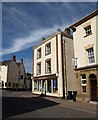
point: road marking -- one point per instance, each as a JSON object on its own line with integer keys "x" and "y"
{"x": 79, "y": 109}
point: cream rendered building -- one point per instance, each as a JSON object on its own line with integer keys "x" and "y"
{"x": 3, "y": 75}
{"x": 86, "y": 56}
{"x": 12, "y": 74}
{"x": 53, "y": 70}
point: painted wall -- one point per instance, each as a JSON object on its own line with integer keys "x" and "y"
{"x": 80, "y": 42}
{"x": 97, "y": 39}
{"x": 45, "y": 57}
{"x": 60, "y": 77}
{"x": 3, "y": 74}
{"x": 70, "y": 73}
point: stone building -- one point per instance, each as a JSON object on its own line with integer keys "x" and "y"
{"x": 85, "y": 39}
{"x": 12, "y": 74}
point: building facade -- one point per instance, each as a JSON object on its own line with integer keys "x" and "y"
{"x": 85, "y": 39}
{"x": 53, "y": 72}
{"x": 12, "y": 74}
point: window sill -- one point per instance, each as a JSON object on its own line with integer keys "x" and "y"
{"x": 47, "y": 54}
{"x": 48, "y": 72}
{"x": 39, "y": 74}
{"x": 87, "y": 35}
{"x": 39, "y": 58}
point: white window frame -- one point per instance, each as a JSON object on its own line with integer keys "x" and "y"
{"x": 90, "y": 55}
{"x": 83, "y": 84}
{"x": 88, "y": 30}
{"x": 39, "y": 53}
{"x": 48, "y": 68}
{"x": 38, "y": 71}
{"x": 48, "y": 48}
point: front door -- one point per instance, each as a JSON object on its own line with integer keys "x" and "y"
{"x": 93, "y": 83}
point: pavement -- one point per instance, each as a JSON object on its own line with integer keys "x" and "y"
{"x": 79, "y": 105}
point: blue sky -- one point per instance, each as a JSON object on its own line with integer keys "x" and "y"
{"x": 24, "y": 24}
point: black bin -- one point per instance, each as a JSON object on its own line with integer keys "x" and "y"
{"x": 70, "y": 96}
{"x": 74, "y": 95}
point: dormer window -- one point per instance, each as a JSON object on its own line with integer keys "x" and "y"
{"x": 39, "y": 53}
{"x": 48, "y": 48}
{"x": 88, "y": 30}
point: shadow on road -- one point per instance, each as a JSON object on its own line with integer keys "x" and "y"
{"x": 12, "y": 106}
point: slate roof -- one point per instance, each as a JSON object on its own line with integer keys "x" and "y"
{"x": 6, "y": 62}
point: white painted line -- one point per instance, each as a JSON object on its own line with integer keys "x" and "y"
{"x": 80, "y": 109}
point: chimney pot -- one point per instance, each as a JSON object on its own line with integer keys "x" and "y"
{"x": 67, "y": 31}
{"x": 13, "y": 57}
{"x": 22, "y": 61}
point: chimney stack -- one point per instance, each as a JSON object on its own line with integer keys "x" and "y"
{"x": 67, "y": 31}
{"x": 22, "y": 61}
{"x": 14, "y": 58}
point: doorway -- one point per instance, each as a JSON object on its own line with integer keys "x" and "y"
{"x": 93, "y": 87}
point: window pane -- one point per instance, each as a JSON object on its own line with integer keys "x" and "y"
{"x": 48, "y": 48}
{"x": 91, "y": 55}
{"x": 39, "y": 68}
{"x": 88, "y": 30}
{"x": 48, "y": 66}
{"x": 83, "y": 88}
{"x": 39, "y": 53}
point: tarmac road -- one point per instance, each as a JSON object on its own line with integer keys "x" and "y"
{"x": 23, "y": 104}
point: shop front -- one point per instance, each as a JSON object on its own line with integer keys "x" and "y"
{"x": 47, "y": 85}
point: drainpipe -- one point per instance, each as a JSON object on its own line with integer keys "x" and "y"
{"x": 64, "y": 63}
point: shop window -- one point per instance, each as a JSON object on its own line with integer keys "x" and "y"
{"x": 39, "y": 53}
{"x": 35, "y": 85}
{"x": 48, "y": 66}
{"x": 49, "y": 86}
{"x": 55, "y": 86}
{"x": 39, "y": 86}
{"x": 43, "y": 81}
{"x": 38, "y": 68}
{"x": 90, "y": 53}
{"x": 88, "y": 30}
{"x": 48, "y": 48}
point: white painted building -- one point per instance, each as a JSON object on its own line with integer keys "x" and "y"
{"x": 53, "y": 72}
{"x": 3, "y": 75}
{"x": 85, "y": 39}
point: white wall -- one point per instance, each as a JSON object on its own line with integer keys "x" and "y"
{"x": 45, "y": 57}
{"x": 97, "y": 39}
{"x": 3, "y": 74}
{"x": 60, "y": 77}
{"x": 80, "y": 42}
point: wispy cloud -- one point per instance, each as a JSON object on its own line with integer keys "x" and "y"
{"x": 28, "y": 41}
{"x": 27, "y": 26}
